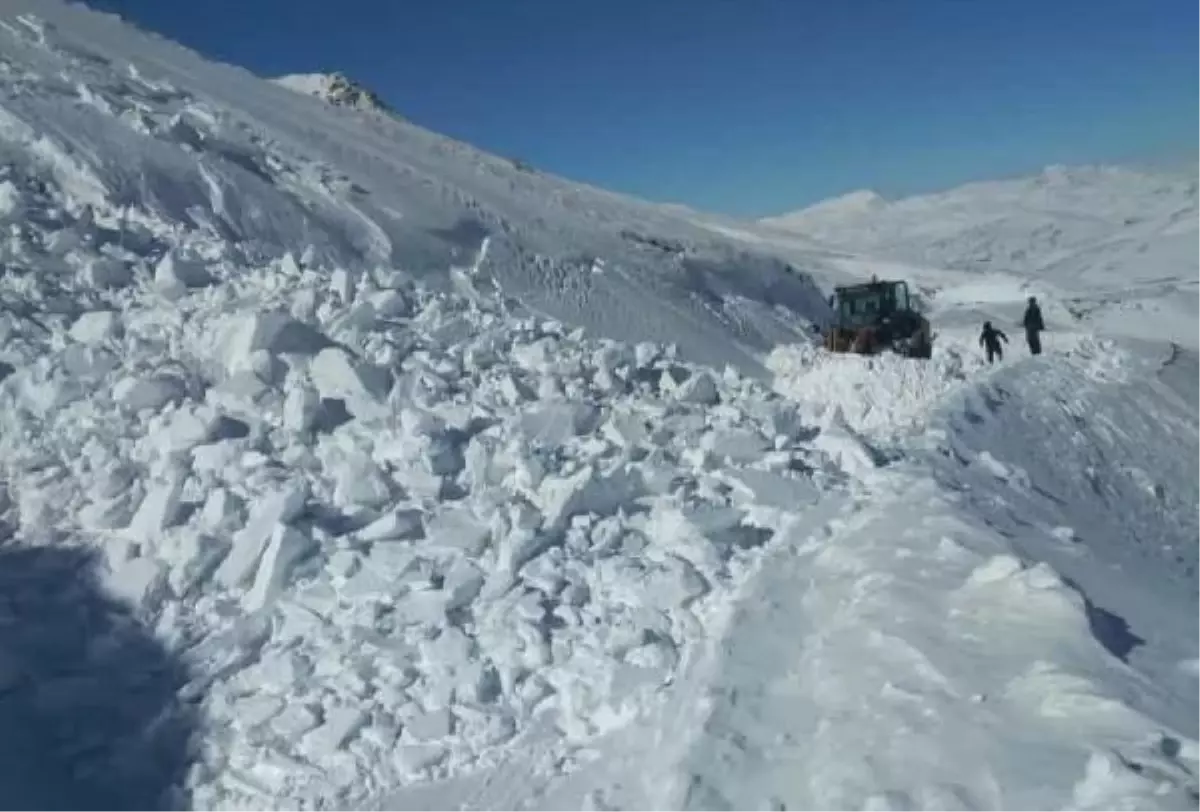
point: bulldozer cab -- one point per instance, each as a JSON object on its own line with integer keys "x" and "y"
{"x": 857, "y": 306}
{"x": 875, "y": 316}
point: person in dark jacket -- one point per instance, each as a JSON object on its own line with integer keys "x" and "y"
{"x": 990, "y": 340}
{"x": 1033, "y": 326}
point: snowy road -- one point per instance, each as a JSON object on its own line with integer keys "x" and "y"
{"x": 864, "y": 667}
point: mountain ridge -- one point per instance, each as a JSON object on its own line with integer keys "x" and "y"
{"x": 336, "y": 89}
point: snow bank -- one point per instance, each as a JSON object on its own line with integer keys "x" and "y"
{"x": 1091, "y": 465}
{"x": 898, "y": 655}
{"x": 1018, "y": 629}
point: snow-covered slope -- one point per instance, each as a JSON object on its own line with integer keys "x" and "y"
{"x": 146, "y": 131}
{"x": 342, "y": 465}
{"x": 829, "y": 213}
{"x": 1039, "y": 224}
{"x": 334, "y": 88}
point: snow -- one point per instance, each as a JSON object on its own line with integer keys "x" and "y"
{"x": 443, "y": 482}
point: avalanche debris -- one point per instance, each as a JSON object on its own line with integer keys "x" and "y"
{"x": 447, "y": 500}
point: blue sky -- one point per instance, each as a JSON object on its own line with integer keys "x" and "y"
{"x": 748, "y": 107}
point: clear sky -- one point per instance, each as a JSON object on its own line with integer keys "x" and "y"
{"x": 748, "y": 107}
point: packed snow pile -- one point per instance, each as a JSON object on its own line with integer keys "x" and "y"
{"x": 889, "y": 398}
{"x": 884, "y": 396}
{"x": 334, "y": 88}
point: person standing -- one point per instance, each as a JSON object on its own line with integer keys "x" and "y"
{"x": 1033, "y": 326}
{"x": 990, "y": 340}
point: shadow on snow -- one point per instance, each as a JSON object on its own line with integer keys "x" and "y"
{"x": 90, "y": 715}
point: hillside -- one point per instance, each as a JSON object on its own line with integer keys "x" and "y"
{"x": 346, "y": 466}
{"x": 266, "y": 170}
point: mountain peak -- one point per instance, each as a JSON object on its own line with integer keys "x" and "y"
{"x": 335, "y": 88}
{"x": 853, "y": 203}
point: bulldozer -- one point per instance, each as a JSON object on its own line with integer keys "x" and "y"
{"x": 877, "y": 316}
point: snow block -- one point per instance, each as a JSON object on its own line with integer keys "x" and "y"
{"x": 159, "y": 509}
{"x": 556, "y": 423}
{"x": 588, "y": 491}
{"x": 458, "y": 529}
{"x": 364, "y": 387}
{"x": 187, "y": 428}
{"x": 174, "y": 275}
{"x": 11, "y": 205}
{"x": 287, "y": 547}
{"x": 140, "y": 581}
{"x": 294, "y": 722}
{"x": 774, "y": 490}
{"x": 461, "y": 583}
{"x": 96, "y": 327}
{"x": 391, "y": 304}
{"x": 397, "y": 525}
{"x": 699, "y": 388}
{"x": 274, "y": 332}
{"x": 626, "y": 429}
{"x": 300, "y": 408}
{"x": 153, "y": 392}
{"x": 414, "y": 759}
{"x": 248, "y": 543}
{"x": 646, "y": 353}
{"x": 736, "y": 445}
{"x": 87, "y": 362}
{"x": 430, "y": 725}
{"x": 342, "y": 282}
{"x": 106, "y": 272}
{"x": 844, "y": 445}
{"x": 257, "y": 709}
{"x": 196, "y": 558}
{"x": 513, "y": 550}
{"x": 107, "y": 514}
{"x": 360, "y": 483}
{"x": 444, "y": 456}
{"x": 340, "y": 726}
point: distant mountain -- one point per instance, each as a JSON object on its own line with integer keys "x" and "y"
{"x": 1065, "y": 222}
{"x": 834, "y": 209}
{"x": 334, "y": 88}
